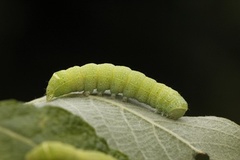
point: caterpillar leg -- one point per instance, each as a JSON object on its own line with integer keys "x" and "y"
{"x": 113, "y": 95}
{"x": 86, "y": 93}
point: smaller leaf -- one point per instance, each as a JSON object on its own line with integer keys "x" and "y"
{"x": 23, "y": 127}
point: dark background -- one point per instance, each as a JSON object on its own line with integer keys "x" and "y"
{"x": 192, "y": 46}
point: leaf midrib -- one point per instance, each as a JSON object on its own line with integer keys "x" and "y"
{"x": 149, "y": 121}
{"x": 16, "y": 136}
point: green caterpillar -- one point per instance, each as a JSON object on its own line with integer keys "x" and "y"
{"x": 54, "y": 150}
{"x": 117, "y": 79}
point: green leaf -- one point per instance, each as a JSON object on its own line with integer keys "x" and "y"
{"x": 136, "y": 130}
{"x": 23, "y": 127}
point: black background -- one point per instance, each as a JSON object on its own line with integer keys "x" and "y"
{"x": 192, "y": 46}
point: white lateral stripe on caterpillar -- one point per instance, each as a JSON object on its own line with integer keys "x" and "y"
{"x": 117, "y": 79}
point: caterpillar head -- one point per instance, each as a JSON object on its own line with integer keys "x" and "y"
{"x": 63, "y": 82}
